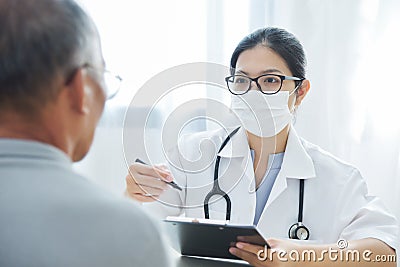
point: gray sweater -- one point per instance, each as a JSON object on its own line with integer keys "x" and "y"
{"x": 51, "y": 216}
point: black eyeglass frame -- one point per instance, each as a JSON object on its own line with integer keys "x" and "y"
{"x": 282, "y": 78}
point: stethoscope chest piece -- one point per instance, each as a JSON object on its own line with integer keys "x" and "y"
{"x": 299, "y": 231}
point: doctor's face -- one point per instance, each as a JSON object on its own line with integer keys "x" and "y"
{"x": 263, "y": 60}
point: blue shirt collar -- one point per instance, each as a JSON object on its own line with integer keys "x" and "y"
{"x": 274, "y": 160}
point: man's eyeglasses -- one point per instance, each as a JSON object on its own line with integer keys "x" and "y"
{"x": 112, "y": 81}
{"x": 268, "y": 84}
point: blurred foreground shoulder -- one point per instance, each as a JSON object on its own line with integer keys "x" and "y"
{"x": 138, "y": 234}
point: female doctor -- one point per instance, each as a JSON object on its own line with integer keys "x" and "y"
{"x": 288, "y": 187}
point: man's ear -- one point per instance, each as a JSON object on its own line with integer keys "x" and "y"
{"x": 76, "y": 92}
{"x": 302, "y": 92}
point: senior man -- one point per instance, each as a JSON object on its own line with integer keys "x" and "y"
{"x": 52, "y": 94}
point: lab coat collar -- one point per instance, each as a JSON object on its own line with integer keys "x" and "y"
{"x": 238, "y": 145}
{"x": 296, "y": 162}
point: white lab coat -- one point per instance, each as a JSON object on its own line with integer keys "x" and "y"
{"x": 336, "y": 201}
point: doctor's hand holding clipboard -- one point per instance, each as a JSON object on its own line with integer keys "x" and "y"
{"x": 298, "y": 195}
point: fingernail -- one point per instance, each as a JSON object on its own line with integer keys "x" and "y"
{"x": 232, "y": 250}
{"x": 239, "y": 245}
{"x": 164, "y": 172}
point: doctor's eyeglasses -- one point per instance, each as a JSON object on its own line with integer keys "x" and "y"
{"x": 268, "y": 84}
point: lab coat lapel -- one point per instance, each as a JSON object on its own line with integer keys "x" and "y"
{"x": 244, "y": 203}
{"x": 243, "y": 195}
{"x": 296, "y": 164}
{"x": 238, "y": 145}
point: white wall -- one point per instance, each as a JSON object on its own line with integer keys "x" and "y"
{"x": 353, "y": 56}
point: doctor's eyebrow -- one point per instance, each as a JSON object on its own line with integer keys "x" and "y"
{"x": 267, "y": 71}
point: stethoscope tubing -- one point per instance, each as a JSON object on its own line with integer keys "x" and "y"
{"x": 216, "y": 190}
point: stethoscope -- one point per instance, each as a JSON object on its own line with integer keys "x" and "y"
{"x": 216, "y": 190}
{"x": 296, "y": 231}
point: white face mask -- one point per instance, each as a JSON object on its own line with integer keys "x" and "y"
{"x": 261, "y": 114}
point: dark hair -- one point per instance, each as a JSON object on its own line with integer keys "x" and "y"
{"x": 40, "y": 41}
{"x": 282, "y": 42}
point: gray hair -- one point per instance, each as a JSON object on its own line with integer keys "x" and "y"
{"x": 41, "y": 41}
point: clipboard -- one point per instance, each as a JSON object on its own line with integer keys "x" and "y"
{"x": 209, "y": 238}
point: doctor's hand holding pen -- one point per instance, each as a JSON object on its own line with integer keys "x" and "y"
{"x": 146, "y": 183}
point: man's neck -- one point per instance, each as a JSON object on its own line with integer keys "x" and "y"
{"x": 15, "y": 126}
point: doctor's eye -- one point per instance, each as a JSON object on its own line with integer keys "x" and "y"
{"x": 241, "y": 80}
{"x": 271, "y": 80}
{"x": 238, "y": 84}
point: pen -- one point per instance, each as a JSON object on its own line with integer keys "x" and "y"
{"x": 173, "y": 184}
